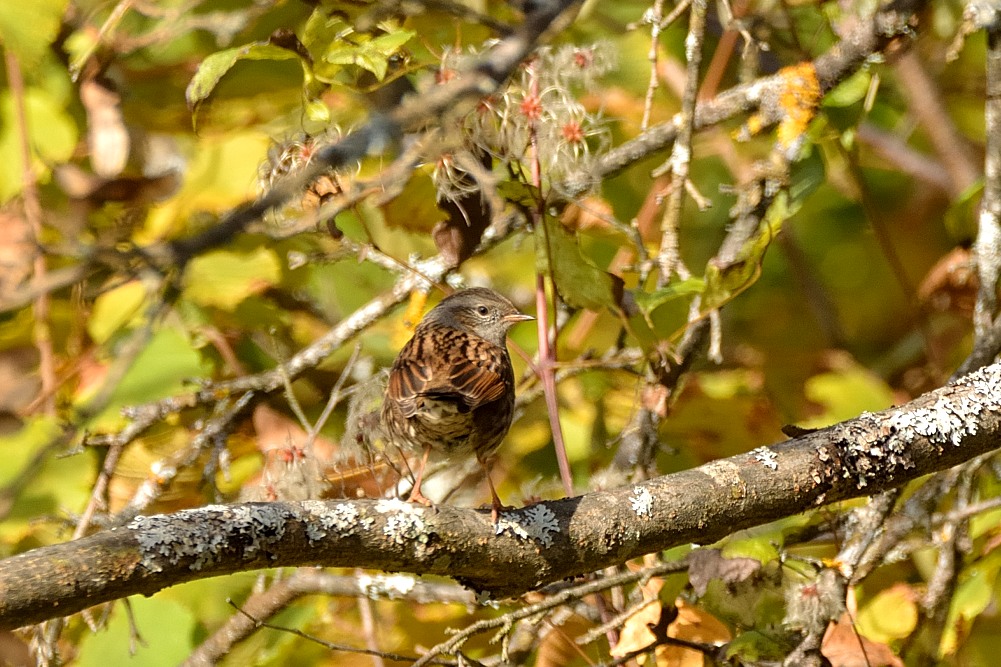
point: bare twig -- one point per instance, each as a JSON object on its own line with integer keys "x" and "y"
{"x": 33, "y": 213}
{"x": 988, "y": 243}
{"x": 669, "y": 257}
{"x": 926, "y": 104}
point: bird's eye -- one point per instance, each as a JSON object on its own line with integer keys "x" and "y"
{"x": 482, "y": 310}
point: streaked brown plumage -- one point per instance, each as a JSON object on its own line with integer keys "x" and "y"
{"x": 451, "y": 387}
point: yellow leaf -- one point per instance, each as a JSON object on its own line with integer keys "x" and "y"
{"x": 114, "y": 309}
{"x": 224, "y": 278}
{"x": 892, "y": 614}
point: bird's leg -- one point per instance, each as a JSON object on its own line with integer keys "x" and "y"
{"x": 415, "y": 494}
{"x": 495, "y": 501}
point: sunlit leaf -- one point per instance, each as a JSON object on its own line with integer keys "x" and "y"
{"x": 723, "y": 283}
{"x": 650, "y": 301}
{"x": 52, "y": 135}
{"x": 167, "y": 631}
{"x": 114, "y": 309}
{"x": 974, "y": 592}
{"x": 165, "y": 366}
{"x": 844, "y": 392}
{"x": 891, "y": 614}
{"x": 224, "y": 278}
{"x": 761, "y": 544}
{"x": 317, "y": 111}
{"x": 21, "y": 445}
{"x": 371, "y": 54}
{"x": 28, "y": 28}
{"x": 851, "y": 90}
{"x": 214, "y": 67}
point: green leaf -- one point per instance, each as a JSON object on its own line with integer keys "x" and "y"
{"x": 53, "y": 136}
{"x": 20, "y": 446}
{"x": 762, "y": 543}
{"x": 58, "y": 483}
{"x": 892, "y": 614}
{"x": 579, "y": 283}
{"x": 391, "y": 42}
{"x": 974, "y": 592}
{"x": 213, "y": 68}
{"x": 519, "y": 193}
{"x": 961, "y": 216}
{"x": 317, "y": 111}
{"x": 805, "y": 177}
{"x": 164, "y": 367}
{"x": 167, "y": 631}
{"x": 28, "y": 28}
{"x": 754, "y": 646}
{"x": 650, "y": 301}
{"x": 416, "y": 207}
{"x": 851, "y": 90}
{"x": 224, "y": 278}
{"x": 723, "y": 283}
{"x": 372, "y": 55}
{"x": 114, "y": 309}
{"x": 845, "y": 392}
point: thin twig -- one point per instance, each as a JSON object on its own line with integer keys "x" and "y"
{"x": 564, "y": 596}
{"x": 669, "y": 257}
{"x": 331, "y": 645}
{"x": 988, "y": 244}
{"x": 42, "y": 332}
{"x": 547, "y": 349}
{"x": 653, "y": 16}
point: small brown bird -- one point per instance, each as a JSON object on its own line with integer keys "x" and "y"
{"x": 452, "y": 387}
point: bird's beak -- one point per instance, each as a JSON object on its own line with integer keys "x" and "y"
{"x": 514, "y": 318}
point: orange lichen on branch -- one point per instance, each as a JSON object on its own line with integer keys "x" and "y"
{"x": 794, "y": 103}
{"x": 798, "y": 99}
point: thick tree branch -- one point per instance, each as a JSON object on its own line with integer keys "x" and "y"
{"x": 530, "y": 547}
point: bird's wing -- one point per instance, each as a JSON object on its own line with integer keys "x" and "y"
{"x": 478, "y": 380}
{"x": 448, "y": 373}
{"x": 407, "y": 381}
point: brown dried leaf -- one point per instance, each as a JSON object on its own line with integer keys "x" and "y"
{"x": 635, "y": 633}
{"x": 844, "y": 647}
{"x": 951, "y": 285}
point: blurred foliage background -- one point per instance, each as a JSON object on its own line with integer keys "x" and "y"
{"x": 146, "y": 122}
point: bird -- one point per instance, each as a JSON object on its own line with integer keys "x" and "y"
{"x": 451, "y": 388}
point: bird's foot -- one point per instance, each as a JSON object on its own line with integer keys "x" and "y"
{"x": 419, "y": 498}
{"x": 496, "y": 509}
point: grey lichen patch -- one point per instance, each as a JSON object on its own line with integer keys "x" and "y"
{"x": 340, "y": 519}
{"x": 641, "y": 501}
{"x": 537, "y": 522}
{"x": 204, "y": 535}
{"x": 766, "y": 457}
{"x": 406, "y": 523}
{"x": 881, "y": 443}
{"x": 391, "y": 586}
